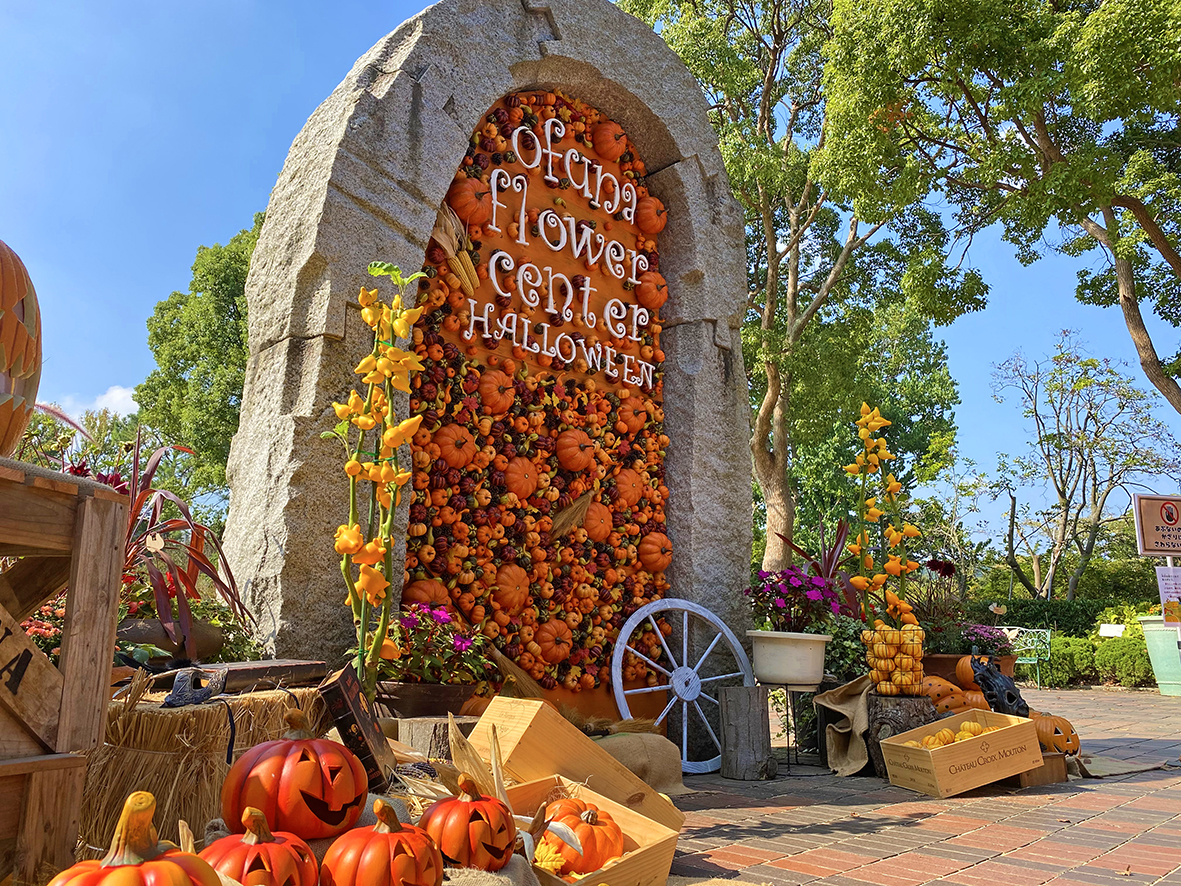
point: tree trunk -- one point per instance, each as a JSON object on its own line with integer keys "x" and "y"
{"x": 781, "y": 507}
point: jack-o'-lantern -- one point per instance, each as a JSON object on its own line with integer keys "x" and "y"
{"x": 471, "y": 830}
{"x": 312, "y": 787}
{"x": 260, "y": 858}
{"x": 388, "y": 853}
{"x": 1056, "y": 734}
{"x": 20, "y": 349}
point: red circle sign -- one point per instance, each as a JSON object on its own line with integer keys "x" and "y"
{"x": 1169, "y": 513}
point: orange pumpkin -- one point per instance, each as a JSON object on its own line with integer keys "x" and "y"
{"x": 388, "y": 853}
{"x": 456, "y": 445}
{"x": 651, "y": 215}
{"x": 555, "y": 640}
{"x": 512, "y": 588}
{"x": 20, "y": 349}
{"x": 656, "y": 552}
{"x": 137, "y": 858}
{"x": 471, "y": 199}
{"x": 260, "y": 858}
{"x": 600, "y": 836}
{"x": 598, "y": 521}
{"x": 471, "y": 830}
{"x": 608, "y": 140}
{"x": 633, "y": 415}
{"x": 497, "y": 393}
{"x": 576, "y": 451}
{"x": 520, "y": 477}
{"x": 936, "y": 688}
{"x": 426, "y": 590}
{"x": 309, "y": 786}
{"x": 976, "y": 700}
{"x": 1056, "y": 734}
{"x": 631, "y": 487}
{"x": 652, "y": 292}
{"x": 964, "y": 675}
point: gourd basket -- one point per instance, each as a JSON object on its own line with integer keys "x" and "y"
{"x": 895, "y": 659}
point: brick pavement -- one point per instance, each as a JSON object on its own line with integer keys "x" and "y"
{"x": 812, "y": 827}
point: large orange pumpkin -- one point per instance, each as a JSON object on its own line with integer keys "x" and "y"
{"x": 428, "y": 591}
{"x": 936, "y": 688}
{"x": 520, "y": 477}
{"x": 652, "y": 292}
{"x": 497, "y": 393}
{"x": 20, "y": 349}
{"x": 651, "y": 216}
{"x": 555, "y": 639}
{"x": 260, "y": 858}
{"x": 471, "y": 830}
{"x": 309, "y": 786}
{"x": 576, "y": 450}
{"x": 598, "y": 521}
{"x": 609, "y": 140}
{"x": 1056, "y": 734}
{"x": 137, "y": 858}
{"x": 471, "y": 199}
{"x": 633, "y": 414}
{"x": 631, "y": 487}
{"x": 600, "y": 836}
{"x": 456, "y": 445}
{"x": 388, "y": 853}
{"x": 512, "y": 588}
{"x": 655, "y": 551}
{"x": 964, "y": 675}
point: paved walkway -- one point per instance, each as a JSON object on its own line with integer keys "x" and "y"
{"x": 812, "y": 827}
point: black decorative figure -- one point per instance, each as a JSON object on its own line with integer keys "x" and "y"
{"x": 1000, "y": 691}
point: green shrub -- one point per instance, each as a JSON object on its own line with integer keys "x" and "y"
{"x": 1126, "y": 614}
{"x": 1073, "y": 617}
{"x": 1124, "y": 661}
{"x": 1072, "y": 660}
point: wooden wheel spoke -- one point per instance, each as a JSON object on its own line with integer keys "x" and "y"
{"x": 660, "y": 635}
{"x": 705, "y": 655}
{"x": 708, "y": 728}
{"x": 721, "y": 677}
{"x": 668, "y": 707}
{"x": 709, "y": 697}
{"x": 665, "y": 688}
{"x": 650, "y": 661}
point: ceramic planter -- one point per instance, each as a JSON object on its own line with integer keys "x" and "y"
{"x": 788, "y": 659}
{"x": 940, "y": 664}
{"x": 423, "y": 699}
{"x": 1163, "y": 652}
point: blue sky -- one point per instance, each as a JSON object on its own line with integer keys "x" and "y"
{"x": 131, "y": 133}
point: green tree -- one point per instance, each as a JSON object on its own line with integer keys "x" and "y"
{"x": 199, "y": 340}
{"x": 1094, "y": 437}
{"x": 1029, "y": 114}
{"x": 759, "y": 64}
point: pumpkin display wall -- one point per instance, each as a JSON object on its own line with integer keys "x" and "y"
{"x": 20, "y": 349}
{"x": 538, "y": 489}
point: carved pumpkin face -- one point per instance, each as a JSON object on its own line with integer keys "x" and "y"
{"x": 471, "y": 830}
{"x": 260, "y": 858}
{"x": 311, "y": 787}
{"x": 387, "y": 854}
{"x": 1056, "y": 734}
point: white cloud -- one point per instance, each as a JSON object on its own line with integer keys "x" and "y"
{"x": 117, "y": 398}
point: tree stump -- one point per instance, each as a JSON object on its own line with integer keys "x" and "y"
{"x": 746, "y": 734}
{"x": 430, "y": 735}
{"x": 892, "y": 715}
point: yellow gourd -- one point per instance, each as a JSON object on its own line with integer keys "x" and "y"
{"x": 945, "y": 735}
{"x": 972, "y": 727}
{"x": 963, "y": 736}
{"x": 887, "y": 688}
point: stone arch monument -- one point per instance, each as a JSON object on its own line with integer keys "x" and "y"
{"x": 362, "y": 182}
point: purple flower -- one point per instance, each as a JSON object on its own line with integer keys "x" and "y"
{"x": 795, "y": 581}
{"x": 836, "y": 607}
{"x": 781, "y": 603}
{"x": 818, "y": 581}
{"x": 408, "y": 621}
{"x": 813, "y": 595}
{"x": 461, "y": 644}
{"x": 441, "y": 616}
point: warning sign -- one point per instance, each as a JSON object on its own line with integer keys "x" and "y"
{"x": 1158, "y": 524}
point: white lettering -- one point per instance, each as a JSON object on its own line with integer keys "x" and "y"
{"x": 529, "y": 279}
{"x": 503, "y": 260}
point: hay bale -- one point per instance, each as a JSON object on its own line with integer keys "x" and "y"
{"x": 179, "y": 755}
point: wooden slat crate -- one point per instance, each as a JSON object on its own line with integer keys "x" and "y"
{"x": 69, "y": 531}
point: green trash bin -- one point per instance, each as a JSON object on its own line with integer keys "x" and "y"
{"x": 1164, "y": 651}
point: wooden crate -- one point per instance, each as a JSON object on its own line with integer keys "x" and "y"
{"x": 959, "y": 767}
{"x": 538, "y": 742}
{"x": 69, "y": 531}
{"x": 1052, "y": 771}
{"x": 648, "y": 846}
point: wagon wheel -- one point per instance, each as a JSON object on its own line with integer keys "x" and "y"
{"x": 685, "y": 686}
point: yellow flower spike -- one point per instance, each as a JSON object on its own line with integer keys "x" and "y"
{"x": 872, "y": 458}
{"x": 374, "y": 378}
{"x": 863, "y": 433}
{"x": 873, "y": 515}
{"x": 400, "y": 382}
{"x": 372, "y": 584}
{"x": 860, "y": 582}
{"x": 356, "y": 404}
{"x": 893, "y": 487}
{"x": 349, "y": 539}
{"x": 894, "y": 538}
{"x": 910, "y": 531}
{"x": 371, "y": 316}
{"x": 911, "y": 566}
{"x": 352, "y": 467}
{"x": 367, "y": 297}
{"x": 396, "y": 305}
{"x": 405, "y": 322}
{"x": 893, "y": 566}
{"x": 871, "y": 501}
{"x": 364, "y": 422}
{"x": 366, "y": 365}
{"x": 877, "y": 581}
{"x": 342, "y": 410}
{"x": 865, "y": 410}
{"x": 373, "y": 472}
{"x": 854, "y": 549}
{"x": 873, "y": 469}
{"x": 853, "y": 469}
{"x": 868, "y": 561}
{"x": 383, "y": 496}
{"x": 402, "y": 478}
{"x": 399, "y": 434}
{"x": 370, "y": 555}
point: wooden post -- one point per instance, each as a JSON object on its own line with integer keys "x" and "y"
{"x": 746, "y": 734}
{"x": 430, "y": 734}
{"x": 892, "y": 715}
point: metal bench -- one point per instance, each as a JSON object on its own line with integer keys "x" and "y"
{"x": 1031, "y": 646}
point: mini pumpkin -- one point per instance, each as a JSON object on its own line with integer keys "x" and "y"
{"x": 576, "y": 450}
{"x": 656, "y": 552}
{"x": 388, "y": 853}
{"x": 428, "y": 591}
{"x": 1056, "y": 734}
{"x": 138, "y": 858}
{"x": 651, "y": 216}
{"x": 652, "y": 291}
{"x": 520, "y": 477}
{"x": 555, "y": 640}
{"x": 260, "y": 858}
{"x": 312, "y": 787}
{"x": 608, "y": 140}
{"x": 471, "y": 199}
{"x": 600, "y": 836}
{"x": 471, "y": 830}
{"x": 512, "y": 588}
{"x": 456, "y": 445}
{"x": 497, "y": 393}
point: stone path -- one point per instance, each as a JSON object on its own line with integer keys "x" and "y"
{"x": 812, "y": 827}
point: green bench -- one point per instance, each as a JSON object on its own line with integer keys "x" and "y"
{"x": 1031, "y": 646}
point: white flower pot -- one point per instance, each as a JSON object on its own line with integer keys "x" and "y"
{"x": 788, "y": 659}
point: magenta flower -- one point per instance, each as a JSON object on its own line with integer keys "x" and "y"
{"x": 461, "y": 644}
{"x": 441, "y": 616}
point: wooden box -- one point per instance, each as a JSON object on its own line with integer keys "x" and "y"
{"x": 959, "y": 767}
{"x": 1052, "y": 771}
{"x": 648, "y": 846}
{"x": 537, "y": 742}
{"x": 67, "y": 530}
{"x": 357, "y": 725}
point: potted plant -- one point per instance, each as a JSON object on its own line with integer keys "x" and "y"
{"x": 429, "y": 665}
{"x": 791, "y": 609}
{"x": 939, "y": 607}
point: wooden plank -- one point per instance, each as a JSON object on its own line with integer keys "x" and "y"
{"x": 30, "y": 582}
{"x": 35, "y": 519}
{"x": 537, "y": 742}
{"x": 44, "y": 763}
{"x": 65, "y": 487}
{"x": 49, "y": 825}
{"x": 7, "y": 472}
{"x": 746, "y": 734}
{"x": 12, "y": 792}
{"x": 30, "y": 687}
{"x": 1052, "y": 771}
{"x": 91, "y": 613}
{"x": 15, "y": 741}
